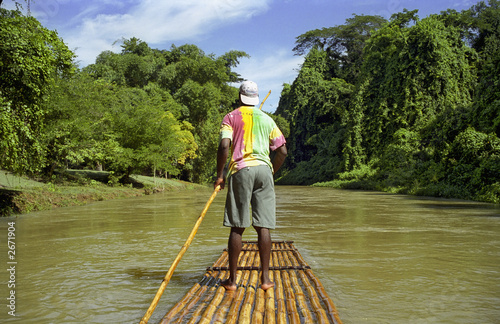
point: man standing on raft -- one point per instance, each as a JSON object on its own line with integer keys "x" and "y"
{"x": 250, "y": 134}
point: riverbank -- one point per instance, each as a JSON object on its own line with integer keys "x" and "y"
{"x": 20, "y": 195}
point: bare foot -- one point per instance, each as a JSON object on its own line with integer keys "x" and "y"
{"x": 265, "y": 286}
{"x": 230, "y": 286}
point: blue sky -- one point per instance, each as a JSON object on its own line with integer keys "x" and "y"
{"x": 265, "y": 29}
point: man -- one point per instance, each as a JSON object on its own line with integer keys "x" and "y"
{"x": 249, "y": 134}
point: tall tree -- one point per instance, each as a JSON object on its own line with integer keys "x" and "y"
{"x": 344, "y": 44}
{"x": 414, "y": 74}
{"x": 32, "y": 57}
{"x": 315, "y": 107}
{"x": 484, "y": 20}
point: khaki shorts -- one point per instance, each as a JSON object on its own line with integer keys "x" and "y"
{"x": 251, "y": 186}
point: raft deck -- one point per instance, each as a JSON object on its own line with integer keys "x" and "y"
{"x": 298, "y": 295}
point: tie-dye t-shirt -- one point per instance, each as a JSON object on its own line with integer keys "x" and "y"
{"x": 252, "y": 134}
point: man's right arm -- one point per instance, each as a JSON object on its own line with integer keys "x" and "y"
{"x": 222, "y": 154}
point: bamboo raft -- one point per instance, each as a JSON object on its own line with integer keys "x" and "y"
{"x": 298, "y": 296}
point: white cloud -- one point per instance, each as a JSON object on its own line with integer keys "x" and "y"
{"x": 270, "y": 72}
{"x": 157, "y": 22}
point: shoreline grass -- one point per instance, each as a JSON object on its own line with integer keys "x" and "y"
{"x": 21, "y": 195}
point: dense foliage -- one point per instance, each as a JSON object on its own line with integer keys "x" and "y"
{"x": 31, "y": 58}
{"x": 412, "y": 107}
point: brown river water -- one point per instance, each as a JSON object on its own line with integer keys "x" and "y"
{"x": 382, "y": 258}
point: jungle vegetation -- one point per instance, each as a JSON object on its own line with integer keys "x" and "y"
{"x": 407, "y": 105}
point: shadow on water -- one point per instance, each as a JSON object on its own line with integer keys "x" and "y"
{"x": 7, "y": 206}
{"x": 450, "y": 204}
{"x": 495, "y": 210}
{"x": 143, "y": 273}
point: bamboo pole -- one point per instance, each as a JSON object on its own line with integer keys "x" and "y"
{"x": 291, "y": 304}
{"x": 183, "y": 250}
{"x": 281, "y": 315}
{"x": 221, "y": 313}
{"x": 299, "y": 293}
{"x": 260, "y": 298}
{"x": 242, "y": 277}
{"x": 314, "y": 301}
{"x": 270, "y": 317}
{"x": 192, "y": 303}
{"x": 301, "y": 301}
{"x": 252, "y": 278}
{"x": 223, "y": 308}
{"x": 262, "y": 103}
{"x": 330, "y": 306}
{"x": 212, "y": 307}
{"x": 232, "y": 315}
{"x": 246, "y": 309}
{"x": 206, "y": 308}
{"x": 259, "y": 310}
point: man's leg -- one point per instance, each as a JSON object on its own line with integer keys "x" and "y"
{"x": 264, "y": 242}
{"x": 234, "y": 249}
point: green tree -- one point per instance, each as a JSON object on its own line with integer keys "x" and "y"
{"x": 414, "y": 74}
{"x": 484, "y": 20}
{"x": 197, "y": 87}
{"x": 100, "y": 125}
{"x": 315, "y": 107}
{"x": 344, "y": 44}
{"x": 32, "y": 57}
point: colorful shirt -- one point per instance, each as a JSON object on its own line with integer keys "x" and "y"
{"x": 252, "y": 134}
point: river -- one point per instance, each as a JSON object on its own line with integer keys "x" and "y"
{"x": 382, "y": 258}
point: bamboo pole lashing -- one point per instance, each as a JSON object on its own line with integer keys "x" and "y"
{"x": 210, "y": 299}
{"x": 221, "y": 298}
{"x": 182, "y": 303}
{"x": 221, "y": 313}
{"x": 196, "y": 297}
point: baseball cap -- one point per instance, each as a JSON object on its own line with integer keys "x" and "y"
{"x": 249, "y": 93}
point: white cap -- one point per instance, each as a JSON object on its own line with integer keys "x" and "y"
{"x": 249, "y": 93}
